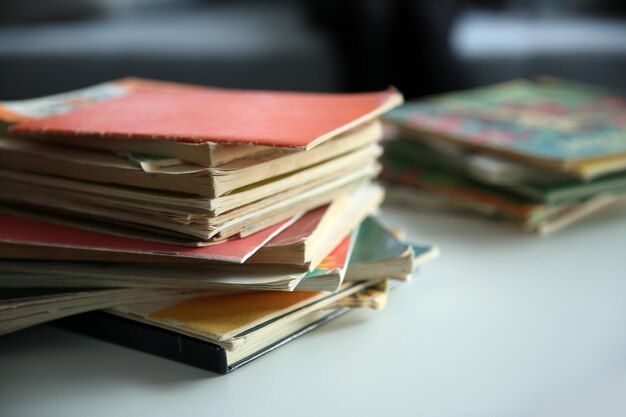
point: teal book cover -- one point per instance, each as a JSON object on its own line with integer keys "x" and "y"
{"x": 545, "y": 118}
{"x": 376, "y": 243}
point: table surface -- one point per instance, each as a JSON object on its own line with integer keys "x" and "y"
{"x": 502, "y": 324}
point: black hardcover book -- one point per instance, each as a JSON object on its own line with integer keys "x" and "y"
{"x": 170, "y": 344}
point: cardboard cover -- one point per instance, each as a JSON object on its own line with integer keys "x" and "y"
{"x": 177, "y": 112}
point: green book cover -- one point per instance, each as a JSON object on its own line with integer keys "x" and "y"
{"x": 405, "y": 156}
{"x": 400, "y": 167}
{"x": 575, "y": 191}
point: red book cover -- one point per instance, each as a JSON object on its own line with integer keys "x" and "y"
{"x": 26, "y": 231}
{"x": 301, "y": 229}
{"x": 168, "y": 111}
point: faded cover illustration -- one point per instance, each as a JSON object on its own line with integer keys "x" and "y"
{"x": 138, "y": 108}
{"x": 546, "y": 118}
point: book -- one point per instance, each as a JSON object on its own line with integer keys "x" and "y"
{"x": 572, "y": 191}
{"x": 424, "y": 186}
{"x": 374, "y": 256}
{"x": 538, "y": 183}
{"x": 25, "y": 307}
{"x": 27, "y": 238}
{"x": 301, "y": 241}
{"x": 211, "y": 225}
{"x": 545, "y": 122}
{"x": 198, "y": 347}
{"x": 311, "y": 238}
{"x": 222, "y": 332}
{"x": 88, "y": 165}
{"x": 174, "y": 217}
{"x": 327, "y": 276}
{"x": 379, "y": 255}
{"x": 485, "y": 168}
{"x": 315, "y": 148}
{"x": 191, "y": 122}
{"x": 443, "y": 182}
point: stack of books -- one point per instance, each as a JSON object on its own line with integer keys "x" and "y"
{"x": 206, "y": 225}
{"x": 541, "y": 153}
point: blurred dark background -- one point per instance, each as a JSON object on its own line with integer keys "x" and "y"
{"x": 422, "y": 47}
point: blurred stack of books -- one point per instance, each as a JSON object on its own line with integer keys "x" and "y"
{"x": 209, "y": 225}
{"x": 541, "y": 153}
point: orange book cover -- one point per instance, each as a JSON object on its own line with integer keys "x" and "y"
{"x": 147, "y": 109}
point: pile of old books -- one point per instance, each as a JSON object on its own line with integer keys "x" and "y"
{"x": 540, "y": 153}
{"x": 207, "y": 225}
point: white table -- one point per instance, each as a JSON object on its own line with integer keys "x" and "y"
{"x": 502, "y": 324}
